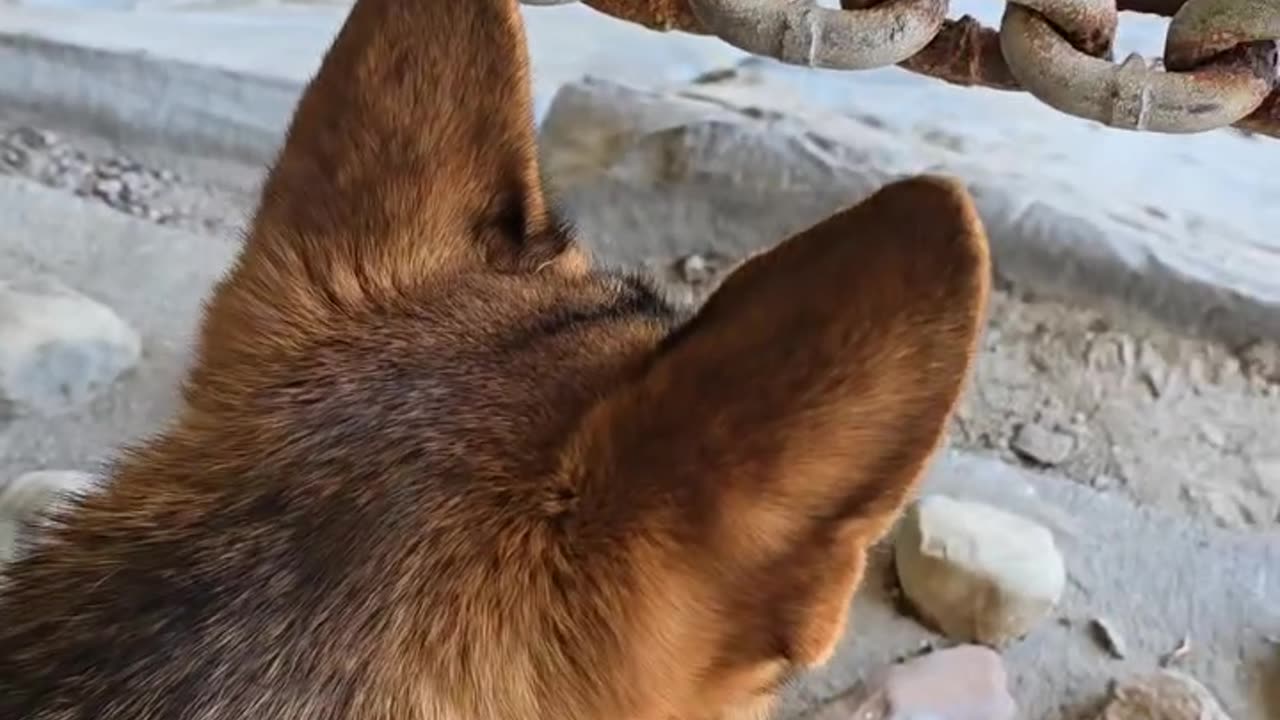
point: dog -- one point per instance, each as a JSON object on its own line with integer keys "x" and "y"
{"x": 430, "y": 464}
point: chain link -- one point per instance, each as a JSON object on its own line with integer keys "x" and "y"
{"x": 1218, "y": 68}
{"x": 1134, "y": 95}
{"x": 802, "y": 33}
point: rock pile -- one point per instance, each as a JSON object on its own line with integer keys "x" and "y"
{"x": 120, "y": 182}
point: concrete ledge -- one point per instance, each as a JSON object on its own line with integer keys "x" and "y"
{"x": 224, "y": 83}
{"x": 131, "y": 98}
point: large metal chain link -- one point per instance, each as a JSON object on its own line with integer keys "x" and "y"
{"x": 1218, "y": 68}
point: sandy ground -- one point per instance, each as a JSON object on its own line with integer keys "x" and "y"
{"x": 1105, "y": 396}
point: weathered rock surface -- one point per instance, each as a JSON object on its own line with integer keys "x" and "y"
{"x": 1167, "y": 695}
{"x": 59, "y": 348}
{"x": 23, "y": 498}
{"x": 731, "y": 165}
{"x": 975, "y": 572}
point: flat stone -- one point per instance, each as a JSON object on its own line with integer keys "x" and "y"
{"x": 1166, "y": 695}
{"x": 59, "y": 348}
{"x": 961, "y": 683}
{"x": 967, "y": 682}
{"x": 1042, "y": 445}
{"x": 975, "y": 572}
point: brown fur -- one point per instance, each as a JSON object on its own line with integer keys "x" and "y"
{"x": 432, "y": 467}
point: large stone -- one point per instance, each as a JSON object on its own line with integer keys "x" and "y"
{"x": 59, "y": 348}
{"x": 734, "y": 164}
{"x": 975, "y": 572}
{"x": 23, "y": 499}
{"x": 1166, "y": 695}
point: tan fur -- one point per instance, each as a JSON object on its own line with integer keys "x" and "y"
{"x": 431, "y": 466}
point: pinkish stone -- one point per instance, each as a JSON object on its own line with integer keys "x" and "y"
{"x": 962, "y": 683}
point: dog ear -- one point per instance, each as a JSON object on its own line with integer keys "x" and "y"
{"x": 411, "y": 155}
{"x": 782, "y": 430}
{"x": 414, "y": 146}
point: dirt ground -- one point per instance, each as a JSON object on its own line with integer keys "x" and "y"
{"x": 1109, "y": 398}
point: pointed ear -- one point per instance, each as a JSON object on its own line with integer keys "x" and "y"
{"x": 412, "y": 150}
{"x": 782, "y": 430}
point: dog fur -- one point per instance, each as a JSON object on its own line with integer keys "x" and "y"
{"x": 430, "y": 465}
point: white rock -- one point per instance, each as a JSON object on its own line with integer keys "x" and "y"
{"x": 29, "y": 495}
{"x": 58, "y": 348}
{"x": 1166, "y": 695}
{"x": 975, "y": 572}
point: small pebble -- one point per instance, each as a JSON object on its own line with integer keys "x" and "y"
{"x": 1042, "y": 446}
{"x": 14, "y": 157}
{"x": 1103, "y": 481}
{"x": 108, "y": 189}
{"x": 695, "y": 270}
{"x": 1106, "y": 633}
{"x": 24, "y": 498}
{"x": 1177, "y": 654}
{"x": 1166, "y": 695}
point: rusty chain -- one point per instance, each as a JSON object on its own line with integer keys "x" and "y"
{"x": 1218, "y": 67}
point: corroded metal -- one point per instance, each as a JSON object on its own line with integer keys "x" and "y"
{"x": 801, "y": 32}
{"x": 1219, "y": 63}
{"x": 1133, "y": 95}
{"x": 1088, "y": 25}
{"x": 1167, "y": 8}
{"x": 964, "y": 53}
{"x": 1266, "y": 119}
{"x": 1205, "y": 28}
